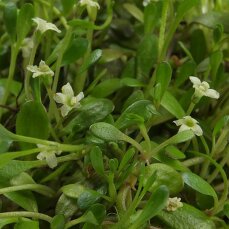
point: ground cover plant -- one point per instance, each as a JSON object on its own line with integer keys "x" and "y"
{"x": 114, "y": 114}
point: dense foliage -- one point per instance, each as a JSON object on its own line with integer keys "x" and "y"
{"x": 114, "y": 114}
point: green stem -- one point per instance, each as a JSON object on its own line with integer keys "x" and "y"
{"x": 26, "y": 214}
{"x": 74, "y": 222}
{"x": 193, "y": 161}
{"x": 4, "y": 158}
{"x": 165, "y": 8}
{"x": 66, "y": 41}
{"x": 222, "y": 163}
{"x": 190, "y": 108}
{"x": 13, "y": 59}
{"x": 36, "y": 40}
{"x": 59, "y": 146}
{"x": 36, "y": 187}
{"x": 220, "y": 203}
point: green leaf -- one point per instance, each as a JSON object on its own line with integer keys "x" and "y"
{"x": 99, "y": 211}
{"x": 199, "y": 184}
{"x": 96, "y": 157}
{"x": 166, "y": 175}
{"x": 154, "y": 205}
{"x": 5, "y": 135}
{"x": 77, "y": 48}
{"x": 73, "y": 190}
{"x": 92, "y": 59}
{"x": 58, "y": 222}
{"x": 126, "y": 158}
{"x": 32, "y": 121}
{"x": 146, "y": 56}
{"x": 107, "y": 87}
{"x": 142, "y": 108}
{"x": 27, "y": 224}
{"x": 130, "y": 82}
{"x": 107, "y": 132}
{"x": 151, "y": 15}
{"x": 92, "y": 110}
{"x": 163, "y": 76}
{"x": 113, "y": 164}
{"x": 170, "y": 103}
{"x": 186, "y": 217}
{"x": 134, "y": 97}
{"x": 198, "y": 46}
{"x": 7, "y": 221}
{"x": 87, "y": 198}
{"x": 10, "y": 20}
{"x": 24, "y": 21}
{"x": 4, "y": 146}
{"x": 134, "y": 11}
{"x": 212, "y": 19}
{"x": 181, "y": 137}
{"x": 14, "y": 88}
{"x": 66, "y": 206}
{"x": 174, "y": 152}
{"x": 24, "y": 199}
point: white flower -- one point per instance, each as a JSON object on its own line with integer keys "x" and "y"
{"x": 43, "y": 25}
{"x": 173, "y": 204}
{"x": 48, "y": 155}
{"x": 68, "y": 99}
{"x": 89, "y": 3}
{"x": 26, "y": 47}
{"x": 189, "y": 123}
{"x": 203, "y": 88}
{"x": 42, "y": 70}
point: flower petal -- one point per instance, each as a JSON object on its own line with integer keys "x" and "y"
{"x": 32, "y": 68}
{"x": 60, "y": 98}
{"x": 195, "y": 80}
{"x": 183, "y": 128}
{"x": 67, "y": 90}
{"x": 197, "y": 130}
{"x": 179, "y": 122}
{"x": 51, "y": 159}
{"x": 65, "y": 110}
{"x": 80, "y": 96}
{"x": 212, "y": 93}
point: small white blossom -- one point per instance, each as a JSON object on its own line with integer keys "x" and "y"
{"x": 41, "y": 70}
{"x": 89, "y": 3}
{"x": 27, "y": 46}
{"x": 68, "y": 99}
{"x": 173, "y": 204}
{"x": 189, "y": 123}
{"x": 43, "y": 25}
{"x": 203, "y": 88}
{"x": 48, "y": 155}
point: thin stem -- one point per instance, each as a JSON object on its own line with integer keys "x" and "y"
{"x": 66, "y": 41}
{"x": 190, "y": 108}
{"x": 165, "y": 8}
{"x": 193, "y": 161}
{"x": 219, "y": 205}
{"x": 36, "y": 40}
{"x": 35, "y": 215}
{"x": 74, "y": 222}
{"x": 36, "y": 187}
{"x": 13, "y": 59}
{"x": 222, "y": 163}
